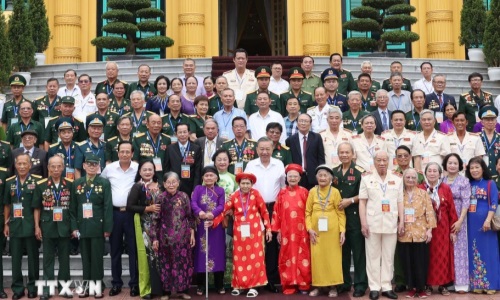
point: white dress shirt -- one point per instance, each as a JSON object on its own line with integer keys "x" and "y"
{"x": 121, "y": 181}
{"x": 85, "y": 106}
{"x": 209, "y": 151}
{"x": 270, "y": 179}
{"x": 424, "y": 85}
{"x": 278, "y": 86}
{"x": 258, "y": 124}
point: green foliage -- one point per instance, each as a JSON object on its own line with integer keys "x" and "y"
{"x": 472, "y": 23}
{"x": 21, "y": 38}
{"x": 491, "y": 39}
{"x": 5, "y": 53}
{"x": 126, "y": 19}
{"x": 380, "y": 18}
{"x": 40, "y": 22}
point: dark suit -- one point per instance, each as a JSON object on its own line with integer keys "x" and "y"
{"x": 174, "y": 161}
{"x": 432, "y": 102}
{"x": 201, "y": 142}
{"x": 378, "y": 121}
{"x": 315, "y": 156}
{"x": 38, "y": 161}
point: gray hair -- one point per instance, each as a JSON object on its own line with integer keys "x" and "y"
{"x": 345, "y": 143}
{"x": 380, "y": 91}
{"x": 112, "y": 63}
{"x": 439, "y": 75}
{"x": 137, "y": 92}
{"x": 211, "y": 120}
{"x": 379, "y": 153}
{"x": 171, "y": 174}
{"x": 354, "y": 93}
{"x": 427, "y": 111}
{"x": 335, "y": 110}
{"x": 396, "y": 74}
{"x": 263, "y": 140}
{"x": 51, "y": 160}
{"x": 366, "y": 62}
{"x": 433, "y": 163}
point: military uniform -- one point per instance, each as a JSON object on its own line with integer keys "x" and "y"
{"x": 365, "y": 152}
{"x": 346, "y": 82}
{"x": 319, "y": 118}
{"x": 305, "y": 101}
{"x": 45, "y": 110}
{"x": 92, "y": 221}
{"x": 413, "y": 121}
{"x": 240, "y": 154}
{"x": 4, "y": 173}
{"x": 492, "y": 149}
{"x": 251, "y": 102}
{"x": 339, "y": 100}
{"x": 10, "y": 113}
{"x": 105, "y": 87}
{"x": 470, "y": 104}
{"x": 373, "y": 88}
{"x": 348, "y": 186}
{"x": 471, "y": 146}
{"x": 109, "y": 129}
{"x": 51, "y": 134}
{"x": 67, "y": 155}
{"x": 386, "y": 85}
{"x": 241, "y": 85}
{"x": 5, "y": 155}
{"x": 15, "y": 130}
{"x": 311, "y": 82}
{"x": 352, "y": 123}
{"x": 282, "y": 152}
{"x": 55, "y": 222}
{"x": 139, "y": 125}
{"x": 170, "y": 122}
{"x": 85, "y": 148}
{"x": 148, "y": 90}
{"x": 406, "y": 138}
{"x": 331, "y": 144}
{"x": 197, "y": 123}
{"x": 122, "y": 108}
{"x": 146, "y": 149}
{"x": 19, "y": 196}
{"x": 434, "y": 149}
{"x": 112, "y": 148}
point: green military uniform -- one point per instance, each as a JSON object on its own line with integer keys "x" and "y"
{"x": 366, "y": 102}
{"x": 413, "y": 121}
{"x": 305, "y": 101}
{"x": 420, "y": 176}
{"x": 51, "y": 134}
{"x": 386, "y": 85}
{"x": 492, "y": 148}
{"x": 374, "y": 88}
{"x": 346, "y": 82}
{"x": 15, "y": 130}
{"x": 470, "y": 103}
{"x": 196, "y": 125}
{"x": 139, "y": 125}
{"x": 146, "y": 149}
{"x": 68, "y": 156}
{"x": 5, "y": 155}
{"x": 311, "y": 82}
{"x": 10, "y": 113}
{"x": 169, "y": 122}
{"x": 55, "y": 222}
{"x": 45, "y": 110}
{"x": 348, "y": 185}
{"x": 19, "y": 196}
{"x": 282, "y": 153}
{"x": 122, "y": 108}
{"x": 4, "y": 173}
{"x": 111, "y": 153}
{"x": 240, "y": 154}
{"x": 148, "y": 90}
{"x": 251, "y": 102}
{"x": 92, "y": 222}
{"x": 109, "y": 129}
{"x": 351, "y": 123}
{"x": 105, "y": 87}
{"x": 86, "y": 148}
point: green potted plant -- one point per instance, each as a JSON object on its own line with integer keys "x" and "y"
{"x": 124, "y": 31}
{"x": 21, "y": 40}
{"x": 383, "y": 18}
{"x": 491, "y": 40}
{"x": 40, "y": 21}
{"x": 472, "y": 23}
{"x": 5, "y": 56}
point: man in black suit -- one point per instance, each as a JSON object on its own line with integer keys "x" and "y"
{"x": 382, "y": 114}
{"x": 184, "y": 158}
{"x": 436, "y": 100}
{"x": 38, "y": 156}
{"x": 307, "y": 150}
{"x": 209, "y": 143}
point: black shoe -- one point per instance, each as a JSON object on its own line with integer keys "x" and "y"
{"x": 45, "y": 297}
{"x": 390, "y": 294}
{"x": 400, "y": 288}
{"x": 3, "y": 295}
{"x": 374, "y": 295}
{"x": 115, "y": 291}
{"x": 67, "y": 296}
{"x": 73, "y": 252}
{"x": 32, "y": 295}
{"x": 358, "y": 293}
{"x": 273, "y": 289}
{"x": 99, "y": 296}
{"x": 134, "y": 291}
{"x": 342, "y": 289}
{"x": 17, "y": 296}
{"x": 147, "y": 297}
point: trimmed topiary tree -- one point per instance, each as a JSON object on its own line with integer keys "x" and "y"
{"x": 382, "y": 18}
{"x": 39, "y": 21}
{"x": 5, "y": 54}
{"x": 491, "y": 39}
{"x": 21, "y": 38}
{"x": 123, "y": 23}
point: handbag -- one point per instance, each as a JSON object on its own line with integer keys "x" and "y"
{"x": 495, "y": 221}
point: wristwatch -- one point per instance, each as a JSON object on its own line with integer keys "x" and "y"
{"x": 352, "y": 200}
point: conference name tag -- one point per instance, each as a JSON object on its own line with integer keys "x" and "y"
{"x": 57, "y": 214}
{"x": 87, "y": 211}
{"x": 409, "y": 215}
{"x": 323, "y": 224}
{"x": 386, "y": 205}
{"x": 245, "y": 230}
{"x": 18, "y": 210}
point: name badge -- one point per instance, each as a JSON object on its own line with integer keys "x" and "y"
{"x": 238, "y": 167}
{"x": 87, "y": 210}
{"x": 425, "y": 157}
{"x": 394, "y": 161}
{"x": 245, "y": 230}
{"x": 102, "y": 137}
{"x": 386, "y": 205}
{"x": 185, "y": 171}
{"x": 477, "y": 117}
{"x": 162, "y": 113}
{"x": 409, "y": 215}
{"x": 224, "y": 135}
{"x": 70, "y": 173}
{"x": 158, "y": 164}
{"x": 14, "y": 121}
{"x": 18, "y": 210}
{"x": 173, "y": 139}
{"x": 354, "y": 132}
{"x": 323, "y": 224}
{"x": 57, "y": 214}
{"x": 334, "y": 157}
{"x": 439, "y": 117}
{"x": 134, "y": 134}
{"x": 46, "y": 121}
{"x": 473, "y": 205}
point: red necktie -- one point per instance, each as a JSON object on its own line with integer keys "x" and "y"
{"x": 440, "y": 100}
{"x": 304, "y": 149}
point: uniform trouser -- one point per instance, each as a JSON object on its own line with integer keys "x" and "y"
{"x": 16, "y": 246}
{"x": 272, "y": 252}
{"x": 355, "y": 242}
{"x": 2, "y": 244}
{"x": 414, "y": 261}
{"x": 62, "y": 244}
{"x": 92, "y": 261}
{"x": 380, "y": 248}
{"x": 123, "y": 223}
{"x": 399, "y": 273}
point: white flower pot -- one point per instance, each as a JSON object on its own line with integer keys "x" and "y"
{"x": 494, "y": 73}
{"x": 476, "y": 54}
{"x": 27, "y": 76}
{"x": 40, "y": 59}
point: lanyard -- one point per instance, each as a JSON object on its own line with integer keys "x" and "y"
{"x": 28, "y": 127}
{"x": 325, "y": 203}
{"x": 365, "y": 104}
{"x": 239, "y": 151}
{"x": 245, "y": 208}
{"x": 137, "y": 123}
{"x": 57, "y": 196}
{"x": 228, "y": 119}
{"x": 51, "y": 106}
{"x": 186, "y": 151}
{"x": 72, "y": 92}
{"x": 176, "y": 122}
{"x": 383, "y": 187}
{"x": 68, "y": 155}
{"x": 488, "y": 146}
{"x": 92, "y": 149}
{"x": 163, "y": 104}
{"x": 334, "y": 100}
{"x": 16, "y": 109}
{"x": 19, "y": 189}
{"x": 410, "y": 197}
{"x": 415, "y": 121}
{"x": 88, "y": 193}
{"x": 155, "y": 146}
{"x": 354, "y": 124}
{"x": 109, "y": 89}
{"x": 398, "y": 104}
{"x": 397, "y": 141}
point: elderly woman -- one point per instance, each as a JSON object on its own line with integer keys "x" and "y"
{"x": 441, "y": 264}
{"x": 174, "y": 227}
{"x": 325, "y": 223}
{"x": 208, "y": 84}
{"x": 289, "y": 222}
{"x": 187, "y": 99}
{"x": 333, "y": 136}
{"x": 159, "y": 103}
{"x": 198, "y": 119}
{"x": 207, "y": 203}
{"x": 461, "y": 190}
{"x": 419, "y": 219}
{"x": 484, "y": 263}
{"x": 176, "y": 86}
{"x": 367, "y": 143}
{"x": 250, "y": 210}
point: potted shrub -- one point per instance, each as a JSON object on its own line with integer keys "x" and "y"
{"x": 383, "y": 18}
{"x": 40, "y": 21}
{"x": 21, "y": 40}
{"x": 5, "y": 56}
{"x": 472, "y": 23}
{"x": 491, "y": 40}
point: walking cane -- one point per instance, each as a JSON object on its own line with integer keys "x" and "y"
{"x": 206, "y": 262}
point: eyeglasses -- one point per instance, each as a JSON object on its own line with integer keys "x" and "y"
{"x": 83, "y": 81}
{"x": 170, "y": 183}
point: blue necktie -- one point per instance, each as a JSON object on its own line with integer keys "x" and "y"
{"x": 384, "y": 121}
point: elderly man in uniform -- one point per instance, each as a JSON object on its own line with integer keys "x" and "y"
{"x": 251, "y": 106}
{"x": 66, "y": 148}
{"x": 48, "y": 106}
{"x": 143, "y": 84}
{"x": 241, "y": 149}
{"x": 466, "y": 144}
{"x": 108, "y": 84}
{"x": 472, "y": 101}
{"x": 347, "y": 178}
{"x": 92, "y": 145}
{"x": 52, "y": 201}
{"x": 119, "y": 104}
{"x": 10, "y": 110}
{"x": 25, "y": 122}
{"x": 91, "y": 219}
{"x": 345, "y": 80}
{"x": 367, "y": 68}
{"x": 124, "y": 127}
{"x": 296, "y": 76}
{"x": 354, "y": 114}
{"x": 333, "y": 136}
{"x": 38, "y": 156}
{"x": 397, "y": 66}
{"x": 381, "y": 215}
{"x": 311, "y": 80}
{"x": 490, "y": 137}
{"x": 413, "y": 116}
{"x": 397, "y": 136}
{"x": 241, "y": 80}
{"x": 368, "y": 95}
{"x": 102, "y": 102}
{"x": 280, "y": 151}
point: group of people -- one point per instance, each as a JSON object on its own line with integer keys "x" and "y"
{"x": 255, "y": 180}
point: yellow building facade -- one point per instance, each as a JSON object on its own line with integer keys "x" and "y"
{"x": 313, "y": 27}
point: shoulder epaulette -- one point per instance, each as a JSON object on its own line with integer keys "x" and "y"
{"x": 397, "y": 173}
{"x": 312, "y": 107}
{"x": 12, "y": 177}
{"x": 210, "y": 98}
{"x": 127, "y": 114}
{"x": 341, "y": 94}
{"x": 357, "y": 136}
{"x": 250, "y": 70}
{"x": 347, "y": 130}
{"x": 53, "y": 118}
{"x": 81, "y": 143}
{"x": 110, "y": 139}
{"x": 92, "y": 113}
{"x": 41, "y": 181}
{"x": 366, "y": 173}
{"x": 104, "y": 81}
{"x": 306, "y": 92}
{"x": 123, "y": 81}
{"x": 360, "y": 169}
{"x": 40, "y": 98}
{"x": 68, "y": 179}
{"x": 140, "y": 134}
{"x": 284, "y": 147}
{"x": 78, "y": 119}
{"x": 36, "y": 176}
{"x": 465, "y": 94}
{"x": 54, "y": 145}
{"x": 150, "y": 112}
{"x": 166, "y": 135}
{"x": 5, "y": 142}
{"x": 380, "y": 137}
{"x": 386, "y": 131}
{"x": 346, "y": 70}
{"x": 475, "y": 133}
{"x": 228, "y": 141}
{"x": 486, "y": 92}
{"x": 3, "y": 169}
{"x": 251, "y": 92}
{"x": 185, "y": 115}
{"x": 253, "y": 141}
{"x": 192, "y": 116}
{"x": 441, "y": 132}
